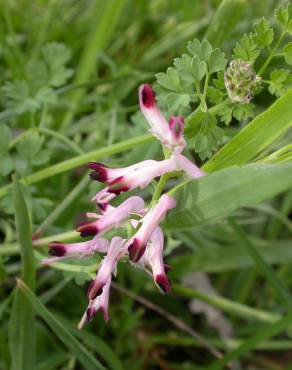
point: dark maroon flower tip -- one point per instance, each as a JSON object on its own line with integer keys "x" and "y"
{"x": 136, "y": 250}
{"x": 95, "y": 289}
{"x": 163, "y": 283}
{"x": 90, "y": 313}
{"x": 87, "y": 229}
{"x": 176, "y": 125}
{"x": 117, "y": 186}
{"x": 57, "y": 249}
{"x": 102, "y": 206}
{"x": 147, "y": 95}
{"x": 100, "y": 171}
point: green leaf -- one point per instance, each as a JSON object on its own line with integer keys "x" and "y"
{"x": 74, "y": 346}
{"x": 21, "y": 325}
{"x": 190, "y": 69}
{"x": 6, "y": 165}
{"x": 256, "y": 136}
{"x": 210, "y": 198}
{"x": 29, "y": 147}
{"x": 242, "y": 112}
{"x": 56, "y": 56}
{"x": 280, "y": 81}
{"x": 199, "y": 122}
{"x": 19, "y": 97}
{"x": 199, "y": 49}
{"x": 217, "y": 61}
{"x": 5, "y": 138}
{"x": 246, "y": 49}
{"x": 283, "y": 14}
{"x": 263, "y": 33}
{"x": 225, "y": 114}
{"x": 288, "y": 53}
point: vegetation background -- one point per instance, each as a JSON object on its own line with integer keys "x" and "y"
{"x": 70, "y": 71}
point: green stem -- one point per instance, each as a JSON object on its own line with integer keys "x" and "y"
{"x": 271, "y": 55}
{"x": 63, "y": 205}
{"x": 62, "y": 138}
{"x": 81, "y": 160}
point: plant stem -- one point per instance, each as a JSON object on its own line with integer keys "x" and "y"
{"x": 272, "y": 54}
{"x": 62, "y": 138}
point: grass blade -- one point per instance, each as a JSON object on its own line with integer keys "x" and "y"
{"x": 225, "y": 19}
{"x": 254, "y": 341}
{"x": 21, "y": 326}
{"x": 256, "y": 136}
{"x": 213, "y": 197}
{"x": 266, "y": 270}
{"x": 75, "y": 347}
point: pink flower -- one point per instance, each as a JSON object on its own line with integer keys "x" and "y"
{"x": 107, "y": 267}
{"x": 83, "y": 249}
{"x": 137, "y": 244}
{"x": 169, "y": 133}
{"x": 128, "y": 178}
{"x": 184, "y": 164}
{"x": 153, "y": 260}
{"x": 99, "y": 303}
{"x": 114, "y": 218}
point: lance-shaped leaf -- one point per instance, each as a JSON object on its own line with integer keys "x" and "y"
{"x": 256, "y": 136}
{"x": 212, "y": 197}
{"x": 21, "y": 326}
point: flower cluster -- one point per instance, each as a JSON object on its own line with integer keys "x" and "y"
{"x": 144, "y": 245}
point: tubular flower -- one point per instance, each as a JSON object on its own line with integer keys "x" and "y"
{"x": 144, "y": 247}
{"x": 128, "y": 178}
{"x": 99, "y": 303}
{"x": 114, "y": 218}
{"x": 137, "y": 244}
{"x": 107, "y": 267}
{"x": 153, "y": 260}
{"x": 83, "y": 249}
{"x": 169, "y": 133}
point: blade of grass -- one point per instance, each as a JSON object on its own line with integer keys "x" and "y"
{"x": 237, "y": 309}
{"x": 94, "y": 343}
{"x": 104, "y": 19}
{"x": 266, "y": 270}
{"x": 21, "y": 325}
{"x": 74, "y": 346}
{"x": 225, "y": 19}
{"x": 254, "y": 341}
{"x": 256, "y": 136}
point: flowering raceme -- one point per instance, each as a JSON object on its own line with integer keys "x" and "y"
{"x": 144, "y": 245}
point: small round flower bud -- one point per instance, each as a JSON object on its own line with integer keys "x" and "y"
{"x": 241, "y": 81}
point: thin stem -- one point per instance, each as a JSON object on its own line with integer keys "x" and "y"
{"x": 62, "y": 206}
{"x": 62, "y": 138}
{"x": 168, "y": 316}
{"x": 272, "y": 54}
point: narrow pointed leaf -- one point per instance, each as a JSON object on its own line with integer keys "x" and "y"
{"x": 74, "y": 346}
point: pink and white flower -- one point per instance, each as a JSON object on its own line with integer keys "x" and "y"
{"x": 83, "y": 249}
{"x": 114, "y": 218}
{"x": 152, "y": 260}
{"x": 137, "y": 244}
{"x": 100, "y": 303}
{"x": 107, "y": 267}
{"x": 184, "y": 164}
{"x": 169, "y": 133}
{"x": 128, "y": 178}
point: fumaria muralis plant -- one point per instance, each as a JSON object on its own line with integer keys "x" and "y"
{"x": 144, "y": 246}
